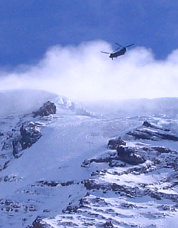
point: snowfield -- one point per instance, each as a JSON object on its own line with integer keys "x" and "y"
{"x": 58, "y": 170}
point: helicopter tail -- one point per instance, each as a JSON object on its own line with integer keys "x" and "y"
{"x": 104, "y": 52}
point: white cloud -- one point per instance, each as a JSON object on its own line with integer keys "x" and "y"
{"x": 83, "y": 73}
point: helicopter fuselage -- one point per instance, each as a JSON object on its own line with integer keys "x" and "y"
{"x": 118, "y": 53}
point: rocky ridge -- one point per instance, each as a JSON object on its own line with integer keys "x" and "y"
{"x": 129, "y": 180}
{"x": 22, "y": 197}
{"x": 137, "y": 187}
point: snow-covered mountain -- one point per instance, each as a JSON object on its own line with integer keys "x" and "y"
{"x": 62, "y": 165}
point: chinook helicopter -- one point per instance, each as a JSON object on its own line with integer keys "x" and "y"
{"x": 116, "y": 53}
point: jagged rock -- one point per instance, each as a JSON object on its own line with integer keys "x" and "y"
{"x": 147, "y": 124}
{"x": 67, "y": 183}
{"x": 16, "y": 144}
{"x": 114, "y": 143}
{"x": 92, "y": 184}
{"x": 48, "y": 183}
{"x": 108, "y": 224}
{"x": 29, "y": 134}
{"x": 117, "y": 163}
{"x": 167, "y": 207}
{"x": 129, "y": 191}
{"x": 15, "y": 206}
{"x": 161, "y": 149}
{"x": 129, "y": 156}
{"x": 151, "y": 135}
{"x": 70, "y": 209}
{"x": 43, "y": 183}
{"x": 9, "y": 178}
{"x": 125, "y": 154}
{"x": 38, "y": 223}
{"x": 106, "y": 157}
{"x": 158, "y": 133}
{"x": 47, "y": 109}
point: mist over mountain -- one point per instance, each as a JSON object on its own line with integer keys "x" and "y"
{"x": 67, "y": 164}
{"x": 136, "y": 107}
{"x": 89, "y": 142}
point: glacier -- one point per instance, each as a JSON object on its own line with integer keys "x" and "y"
{"x": 69, "y": 177}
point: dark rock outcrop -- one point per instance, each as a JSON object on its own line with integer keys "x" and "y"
{"x": 150, "y": 135}
{"x": 161, "y": 149}
{"x": 151, "y": 132}
{"x": 148, "y": 124}
{"x": 129, "y": 156}
{"x": 10, "y": 205}
{"x": 29, "y": 134}
{"x": 44, "y": 183}
{"x": 108, "y": 224}
{"x": 47, "y": 109}
{"x": 114, "y": 143}
{"x": 125, "y": 154}
{"x": 105, "y": 158}
{"x": 38, "y": 223}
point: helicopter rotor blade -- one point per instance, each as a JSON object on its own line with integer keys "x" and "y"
{"x": 118, "y": 44}
{"x": 104, "y": 52}
{"x": 116, "y": 49}
{"x": 129, "y": 45}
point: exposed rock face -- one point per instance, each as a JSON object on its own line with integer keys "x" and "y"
{"x": 38, "y": 223}
{"x": 149, "y": 131}
{"x": 105, "y": 158}
{"x": 22, "y": 134}
{"x": 29, "y": 134}
{"x": 54, "y": 183}
{"x": 47, "y": 109}
{"x": 162, "y": 149}
{"x": 129, "y": 156}
{"x": 14, "y": 206}
{"x": 123, "y": 153}
{"x": 114, "y": 143}
{"x": 147, "y": 124}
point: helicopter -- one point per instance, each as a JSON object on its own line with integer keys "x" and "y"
{"x": 116, "y": 53}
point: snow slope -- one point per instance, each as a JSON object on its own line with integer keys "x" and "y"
{"x": 51, "y": 182}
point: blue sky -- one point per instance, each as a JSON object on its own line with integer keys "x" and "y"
{"x": 29, "y": 27}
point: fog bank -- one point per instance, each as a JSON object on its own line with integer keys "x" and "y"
{"x": 82, "y": 73}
